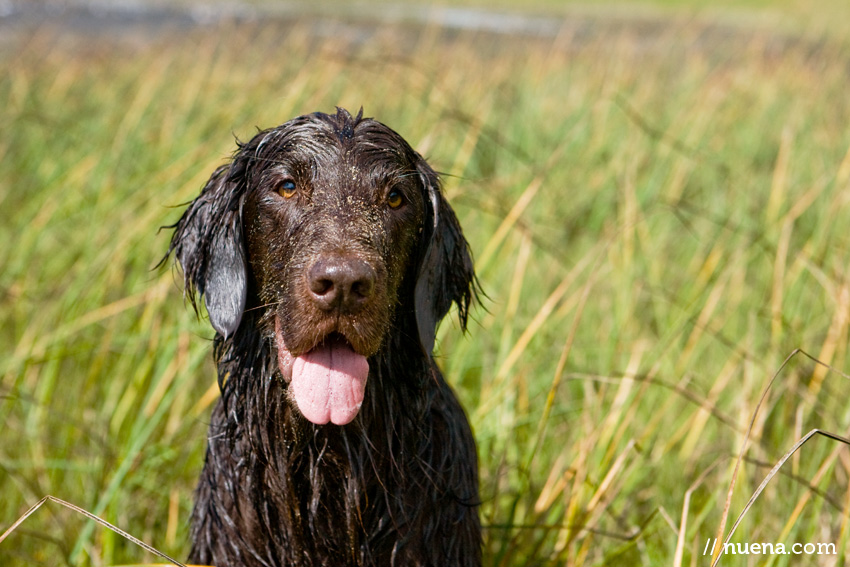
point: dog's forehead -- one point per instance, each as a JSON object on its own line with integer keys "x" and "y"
{"x": 318, "y": 133}
{"x": 365, "y": 158}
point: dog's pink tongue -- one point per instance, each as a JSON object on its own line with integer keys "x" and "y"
{"x": 328, "y": 383}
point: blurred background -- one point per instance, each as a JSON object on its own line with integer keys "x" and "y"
{"x": 657, "y": 195}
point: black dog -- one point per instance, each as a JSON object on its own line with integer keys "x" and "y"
{"x": 326, "y": 255}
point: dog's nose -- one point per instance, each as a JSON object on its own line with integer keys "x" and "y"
{"x": 341, "y": 283}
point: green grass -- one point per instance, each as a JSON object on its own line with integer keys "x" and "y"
{"x": 658, "y": 221}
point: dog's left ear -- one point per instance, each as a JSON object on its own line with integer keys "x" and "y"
{"x": 208, "y": 244}
{"x": 446, "y": 273}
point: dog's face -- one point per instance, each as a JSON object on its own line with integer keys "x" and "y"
{"x": 331, "y": 223}
{"x": 336, "y": 222}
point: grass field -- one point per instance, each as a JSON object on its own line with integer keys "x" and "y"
{"x": 660, "y": 215}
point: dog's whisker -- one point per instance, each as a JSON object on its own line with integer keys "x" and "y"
{"x": 263, "y": 306}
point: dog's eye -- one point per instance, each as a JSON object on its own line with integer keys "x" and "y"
{"x": 286, "y": 189}
{"x": 395, "y": 199}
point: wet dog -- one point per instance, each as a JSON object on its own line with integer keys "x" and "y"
{"x": 326, "y": 255}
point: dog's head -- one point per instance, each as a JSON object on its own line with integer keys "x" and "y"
{"x": 336, "y": 230}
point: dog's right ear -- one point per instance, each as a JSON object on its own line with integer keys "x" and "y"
{"x": 209, "y": 245}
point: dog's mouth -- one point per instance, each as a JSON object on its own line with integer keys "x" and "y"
{"x": 328, "y": 382}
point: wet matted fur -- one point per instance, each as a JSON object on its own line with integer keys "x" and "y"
{"x": 340, "y": 203}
